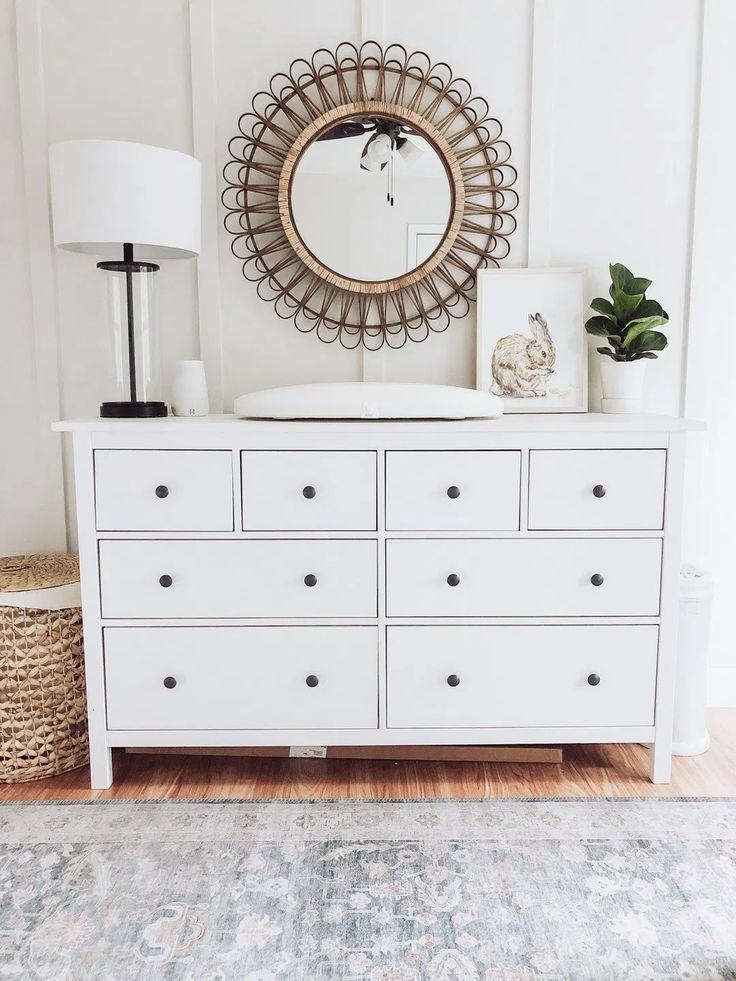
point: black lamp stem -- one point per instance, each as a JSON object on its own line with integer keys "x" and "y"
{"x": 128, "y": 260}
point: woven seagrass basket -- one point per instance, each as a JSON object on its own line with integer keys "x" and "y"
{"x": 43, "y": 705}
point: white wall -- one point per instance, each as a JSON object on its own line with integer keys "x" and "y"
{"x": 31, "y": 491}
{"x": 20, "y": 473}
{"x": 710, "y": 528}
{"x": 600, "y": 100}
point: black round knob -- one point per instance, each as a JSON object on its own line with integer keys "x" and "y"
{"x": 165, "y": 581}
{"x": 597, "y": 579}
{"x": 453, "y": 492}
{"x": 453, "y": 681}
{"x": 453, "y": 580}
{"x": 310, "y": 580}
{"x": 169, "y": 682}
{"x": 312, "y": 681}
{"x": 309, "y": 492}
{"x": 594, "y": 679}
{"x": 162, "y": 491}
{"x": 599, "y": 491}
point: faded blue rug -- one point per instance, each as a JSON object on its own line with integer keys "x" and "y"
{"x": 500, "y": 890}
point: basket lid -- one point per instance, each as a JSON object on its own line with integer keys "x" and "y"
{"x": 40, "y": 571}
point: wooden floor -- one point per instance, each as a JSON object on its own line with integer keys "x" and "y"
{"x": 588, "y": 771}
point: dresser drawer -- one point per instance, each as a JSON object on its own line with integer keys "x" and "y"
{"x": 164, "y": 490}
{"x": 468, "y": 677}
{"x": 309, "y": 491}
{"x": 453, "y": 490}
{"x": 241, "y": 677}
{"x": 255, "y": 578}
{"x": 596, "y": 489}
{"x": 523, "y": 577}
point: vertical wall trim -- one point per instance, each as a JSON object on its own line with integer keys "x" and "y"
{"x": 34, "y": 146}
{"x": 541, "y": 143}
{"x": 204, "y": 134}
{"x": 373, "y": 28}
{"x": 707, "y": 17}
{"x": 372, "y": 20}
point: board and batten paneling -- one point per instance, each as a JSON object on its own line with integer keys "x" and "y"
{"x": 31, "y": 478}
{"x": 599, "y": 101}
{"x": 614, "y": 139}
{"x": 261, "y": 349}
{"x": 710, "y": 518}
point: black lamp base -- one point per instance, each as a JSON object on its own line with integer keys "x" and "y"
{"x": 133, "y": 410}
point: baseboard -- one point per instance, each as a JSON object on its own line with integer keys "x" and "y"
{"x": 722, "y": 685}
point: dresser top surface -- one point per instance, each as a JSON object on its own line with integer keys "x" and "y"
{"x": 584, "y": 422}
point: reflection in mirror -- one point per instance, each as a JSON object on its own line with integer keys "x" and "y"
{"x": 368, "y": 195}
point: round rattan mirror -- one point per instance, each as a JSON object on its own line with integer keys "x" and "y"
{"x": 364, "y": 190}
{"x": 357, "y": 192}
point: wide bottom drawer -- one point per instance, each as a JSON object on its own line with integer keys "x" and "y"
{"x": 527, "y": 676}
{"x": 241, "y": 677}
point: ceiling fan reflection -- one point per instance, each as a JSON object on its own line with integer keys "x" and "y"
{"x": 387, "y": 136}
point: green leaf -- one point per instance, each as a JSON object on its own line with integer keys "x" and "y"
{"x": 636, "y": 327}
{"x": 642, "y": 354}
{"x": 600, "y": 305}
{"x": 620, "y": 275}
{"x": 650, "y": 308}
{"x": 600, "y": 326}
{"x": 650, "y": 340}
{"x": 638, "y": 285}
{"x": 624, "y": 305}
{"x": 607, "y": 351}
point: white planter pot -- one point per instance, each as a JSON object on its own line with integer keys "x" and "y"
{"x": 623, "y": 385}
{"x": 189, "y": 389}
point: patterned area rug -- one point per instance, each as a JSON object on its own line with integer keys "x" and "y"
{"x": 496, "y": 890}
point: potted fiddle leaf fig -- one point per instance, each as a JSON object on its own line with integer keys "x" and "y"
{"x": 629, "y": 322}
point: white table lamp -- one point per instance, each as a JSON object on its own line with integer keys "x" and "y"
{"x": 108, "y": 197}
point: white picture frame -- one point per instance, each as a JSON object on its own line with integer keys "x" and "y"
{"x": 527, "y": 320}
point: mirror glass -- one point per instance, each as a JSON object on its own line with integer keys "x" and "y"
{"x": 370, "y": 198}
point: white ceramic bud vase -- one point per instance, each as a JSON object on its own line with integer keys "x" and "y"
{"x": 189, "y": 389}
{"x": 623, "y": 385}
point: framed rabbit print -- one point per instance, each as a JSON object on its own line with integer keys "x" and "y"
{"x": 531, "y": 346}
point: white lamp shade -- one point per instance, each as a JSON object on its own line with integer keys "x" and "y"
{"x": 105, "y": 193}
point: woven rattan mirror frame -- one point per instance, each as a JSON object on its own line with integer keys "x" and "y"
{"x": 283, "y": 123}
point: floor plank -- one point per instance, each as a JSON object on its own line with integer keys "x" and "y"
{"x": 587, "y": 771}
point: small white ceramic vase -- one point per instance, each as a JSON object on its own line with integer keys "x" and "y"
{"x": 623, "y": 385}
{"x": 189, "y": 389}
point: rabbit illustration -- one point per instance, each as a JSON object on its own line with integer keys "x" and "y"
{"x": 521, "y": 365}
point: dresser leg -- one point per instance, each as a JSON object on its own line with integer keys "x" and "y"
{"x": 100, "y": 766}
{"x": 660, "y": 760}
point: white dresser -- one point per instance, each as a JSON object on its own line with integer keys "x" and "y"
{"x": 268, "y": 583}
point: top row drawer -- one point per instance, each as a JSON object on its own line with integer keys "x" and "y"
{"x": 453, "y": 490}
{"x": 596, "y": 490}
{"x": 164, "y": 490}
